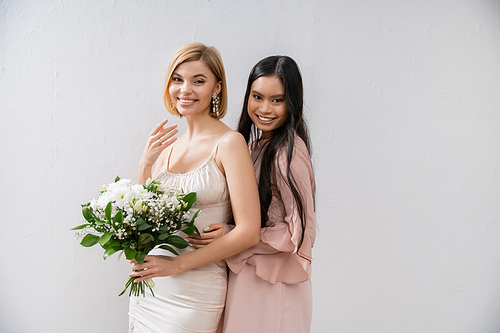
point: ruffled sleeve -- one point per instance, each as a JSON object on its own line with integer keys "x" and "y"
{"x": 277, "y": 257}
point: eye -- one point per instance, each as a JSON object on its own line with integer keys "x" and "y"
{"x": 257, "y": 97}
{"x": 199, "y": 82}
{"x": 278, "y": 100}
{"x": 176, "y": 79}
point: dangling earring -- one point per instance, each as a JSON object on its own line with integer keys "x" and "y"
{"x": 215, "y": 104}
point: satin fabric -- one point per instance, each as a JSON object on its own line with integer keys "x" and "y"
{"x": 191, "y": 301}
{"x": 269, "y": 284}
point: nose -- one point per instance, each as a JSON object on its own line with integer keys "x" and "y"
{"x": 186, "y": 87}
{"x": 265, "y": 106}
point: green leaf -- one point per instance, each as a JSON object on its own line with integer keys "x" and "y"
{"x": 117, "y": 179}
{"x": 105, "y": 238}
{"x": 110, "y": 251}
{"x": 87, "y": 214}
{"x": 107, "y": 211}
{"x": 163, "y": 236}
{"x": 143, "y": 226}
{"x": 112, "y": 243}
{"x": 164, "y": 228}
{"x": 168, "y": 248}
{"x": 177, "y": 241}
{"x": 139, "y": 256}
{"x": 198, "y": 212}
{"x": 80, "y": 227}
{"x": 89, "y": 240}
{"x": 118, "y": 217}
{"x": 99, "y": 222}
{"x": 190, "y": 198}
{"x": 115, "y": 243}
{"x": 145, "y": 238}
{"x": 189, "y": 230}
{"x": 139, "y": 221}
{"x": 130, "y": 253}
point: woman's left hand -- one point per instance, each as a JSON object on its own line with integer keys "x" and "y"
{"x": 154, "y": 266}
{"x": 211, "y": 233}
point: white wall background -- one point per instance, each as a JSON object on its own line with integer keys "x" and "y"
{"x": 403, "y": 101}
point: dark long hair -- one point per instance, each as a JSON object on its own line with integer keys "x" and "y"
{"x": 282, "y": 139}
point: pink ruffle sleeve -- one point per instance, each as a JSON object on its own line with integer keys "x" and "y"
{"x": 277, "y": 258}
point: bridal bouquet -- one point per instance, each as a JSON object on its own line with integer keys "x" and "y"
{"x": 134, "y": 219}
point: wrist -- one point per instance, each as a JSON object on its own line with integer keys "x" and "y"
{"x": 145, "y": 164}
{"x": 179, "y": 264}
{"x": 144, "y": 172}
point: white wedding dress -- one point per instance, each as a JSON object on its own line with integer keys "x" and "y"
{"x": 191, "y": 301}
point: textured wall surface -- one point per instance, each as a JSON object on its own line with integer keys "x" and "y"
{"x": 403, "y": 105}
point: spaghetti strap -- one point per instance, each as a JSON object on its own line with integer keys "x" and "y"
{"x": 168, "y": 157}
{"x": 223, "y": 135}
{"x": 217, "y": 144}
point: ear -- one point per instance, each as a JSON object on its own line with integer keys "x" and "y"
{"x": 218, "y": 88}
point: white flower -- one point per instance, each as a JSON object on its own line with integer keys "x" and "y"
{"x": 120, "y": 198}
{"x": 103, "y": 188}
{"x": 162, "y": 187}
{"x": 174, "y": 201}
{"x": 138, "y": 207}
{"x": 93, "y": 204}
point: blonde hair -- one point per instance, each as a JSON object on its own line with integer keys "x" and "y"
{"x": 212, "y": 58}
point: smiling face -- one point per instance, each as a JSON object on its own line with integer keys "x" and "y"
{"x": 191, "y": 87}
{"x": 266, "y": 104}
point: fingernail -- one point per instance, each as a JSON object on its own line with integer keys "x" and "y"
{"x": 206, "y": 229}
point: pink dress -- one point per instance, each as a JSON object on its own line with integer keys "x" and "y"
{"x": 269, "y": 287}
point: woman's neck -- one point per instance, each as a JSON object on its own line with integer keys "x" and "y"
{"x": 200, "y": 124}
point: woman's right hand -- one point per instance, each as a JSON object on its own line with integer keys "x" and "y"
{"x": 159, "y": 139}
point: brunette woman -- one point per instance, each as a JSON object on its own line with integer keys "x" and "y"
{"x": 269, "y": 288}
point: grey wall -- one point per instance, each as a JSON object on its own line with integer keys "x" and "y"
{"x": 403, "y": 107}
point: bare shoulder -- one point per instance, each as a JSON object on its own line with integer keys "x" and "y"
{"x": 232, "y": 140}
{"x": 233, "y": 151}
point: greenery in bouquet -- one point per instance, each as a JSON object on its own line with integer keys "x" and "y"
{"x": 133, "y": 219}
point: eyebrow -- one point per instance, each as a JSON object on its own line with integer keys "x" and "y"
{"x": 197, "y": 75}
{"x": 258, "y": 93}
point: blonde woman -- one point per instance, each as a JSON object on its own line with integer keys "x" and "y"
{"x": 212, "y": 160}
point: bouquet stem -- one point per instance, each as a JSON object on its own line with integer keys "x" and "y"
{"x": 138, "y": 288}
